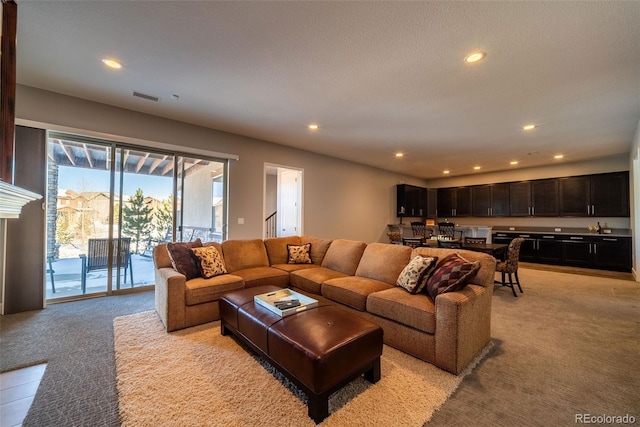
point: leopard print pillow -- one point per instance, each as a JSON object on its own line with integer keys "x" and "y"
{"x": 209, "y": 261}
{"x": 299, "y": 254}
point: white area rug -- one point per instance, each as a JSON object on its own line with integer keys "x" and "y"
{"x": 196, "y": 377}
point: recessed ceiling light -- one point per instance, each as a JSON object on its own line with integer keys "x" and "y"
{"x": 558, "y": 156}
{"x": 476, "y": 168}
{"x": 399, "y": 154}
{"x": 474, "y": 57}
{"x": 515, "y": 162}
{"x": 529, "y": 127}
{"x": 112, "y": 63}
{"x": 313, "y": 126}
{"x": 445, "y": 172}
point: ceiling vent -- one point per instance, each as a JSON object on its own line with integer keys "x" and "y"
{"x": 146, "y": 96}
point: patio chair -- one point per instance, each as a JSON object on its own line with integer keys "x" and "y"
{"x": 97, "y": 258}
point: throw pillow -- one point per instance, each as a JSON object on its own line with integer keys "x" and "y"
{"x": 209, "y": 261}
{"x": 413, "y": 274}
{"x": 299, "y": 254}
{"x": 452, "y": 274}
{"x": 183, "y": 259}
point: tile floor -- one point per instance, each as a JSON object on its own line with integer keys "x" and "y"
{"x": 17, "y": 389}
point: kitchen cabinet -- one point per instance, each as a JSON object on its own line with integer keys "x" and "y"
{"x": 411, "y": 200}
{"x": 454, "y": 201}
{"x": 577, "y": 251}
{"x": 432, "y": 202}
{"x": 534, "y": 198}
{"x": 541, "y": 248}
{"x": 612, "y": 253}
{"x": 490, "y": 200}
{"x": 587, "y": 251}
{"x": 601, "y": 195}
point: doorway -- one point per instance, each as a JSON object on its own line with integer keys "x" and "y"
{"x": 283, "y": 201}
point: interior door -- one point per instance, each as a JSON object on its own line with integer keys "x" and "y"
{"x": 289, "y": 202}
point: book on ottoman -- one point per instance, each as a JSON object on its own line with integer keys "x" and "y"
{"x": 285, "y": 302}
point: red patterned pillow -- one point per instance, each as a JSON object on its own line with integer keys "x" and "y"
{"x": 452, "y": 274}
{"x": 183, "y": 259}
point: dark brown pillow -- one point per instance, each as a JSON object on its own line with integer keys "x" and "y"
{"x": 452, "y": 274}
{"x": 183, "y": 259}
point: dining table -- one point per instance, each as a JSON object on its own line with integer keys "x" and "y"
{"x": 497, "y": 250}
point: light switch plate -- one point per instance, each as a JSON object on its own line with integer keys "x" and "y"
{"x": 241, "y": 221}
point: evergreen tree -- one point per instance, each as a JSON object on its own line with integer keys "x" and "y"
{"x": 136, "y": 219}
{"x": 163, "y": 216}
{"x": 63, "y": 228}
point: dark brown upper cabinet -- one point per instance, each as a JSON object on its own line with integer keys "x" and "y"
{"x": 411, "y": 201}
{"x": 490, "y": 200}
{"x": 603, "y": 195}
{"x": 534, "y": 198}
{"x": 454, "y": 201}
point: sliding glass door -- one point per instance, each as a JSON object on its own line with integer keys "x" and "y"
{"x": 110, "y": 204}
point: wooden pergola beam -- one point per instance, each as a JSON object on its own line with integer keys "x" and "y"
{"x": 67, "y": 153}
{"x": 141, "y": 162}
{"x": 89, "y": 159}
{"x": 155, "y": 164}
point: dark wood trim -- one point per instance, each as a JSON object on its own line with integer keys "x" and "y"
{"x": 8, "y": 88}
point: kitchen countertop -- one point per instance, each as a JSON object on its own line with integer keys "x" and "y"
{"x": 566, "y": 231}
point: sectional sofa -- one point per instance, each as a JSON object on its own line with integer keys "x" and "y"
{"x": 448, "y": 331}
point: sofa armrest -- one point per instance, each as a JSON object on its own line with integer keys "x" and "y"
{"x": 170, "y": 294}
{"x": 463, "y": 326}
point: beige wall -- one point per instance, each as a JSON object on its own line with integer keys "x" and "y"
{"x": 341, "y": 199}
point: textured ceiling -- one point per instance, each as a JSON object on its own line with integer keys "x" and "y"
{"x": 378, "y": 77}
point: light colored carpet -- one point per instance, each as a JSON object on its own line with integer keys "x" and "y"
{"x": 198, "y": 377}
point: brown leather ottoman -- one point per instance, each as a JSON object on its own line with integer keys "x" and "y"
{"x": 320, "y": 349}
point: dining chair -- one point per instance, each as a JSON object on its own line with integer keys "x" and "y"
{"x": 414, "y": 242}
{"x": 419, "y": 229}
{"x": 475, "y": 240}
{"x": 510, "y": 266}
{"x": 449, "y": 244}
{"x": 448, "y": 229}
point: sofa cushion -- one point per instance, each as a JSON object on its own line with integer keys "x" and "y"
{"x": 277, "y": 248}
{"x": 243, "y": 254}
{"x": 209, "y": 261}
{"x": 344, "y": 255}
{"x": 352, "y": 291}
{"x": 299, "y": 254}
{"x": 183, "y": 259}
{"x": 383, "y": 262}
{"x": 259, "y": 276}
{"x": 293, "y": 267}
{"x": 414, "y": 275}
{"x": 201, "y": 290}
{"x": 417, "y": 311}
{"x": 319, "y": 248}
{"x": 452, "y": 274}
{"x": 311, "y": 279}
